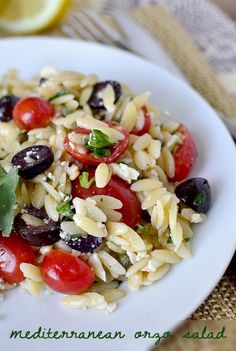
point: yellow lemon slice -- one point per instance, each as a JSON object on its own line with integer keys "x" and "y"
{"x": 29, "y": 16}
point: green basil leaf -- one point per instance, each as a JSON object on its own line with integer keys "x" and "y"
{"x": 64, "y": 209}
{"x": 101, "y": 152}
{"x": 84, "y": 180}
{"x": 3, "y": 175}
{"x": 98, "y": 143}
{"x": 8, "y": 184}
{"x": 98, "y": 139}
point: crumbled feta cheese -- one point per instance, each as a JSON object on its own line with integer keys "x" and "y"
{"x": 28, "y": 159}
{"x": 196, "y": 218}
{"x": 125, "y": 172}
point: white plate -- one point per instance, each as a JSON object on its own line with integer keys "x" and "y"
{"x": 160, "y": 307}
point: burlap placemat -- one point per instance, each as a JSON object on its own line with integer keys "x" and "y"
{"x": 179, "y": 45}
{"x": 221, "y": 304}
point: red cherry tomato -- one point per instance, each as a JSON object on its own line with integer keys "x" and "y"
{"x": 147, "y": 123}
{"x": 185, "y": 155}
{"x": 13, "y": 251}
{"x": 118, "y": 188}
{"x": 88, "y": 158}
{"x": 32, "y": 112}
{"x": 66, "y": 273}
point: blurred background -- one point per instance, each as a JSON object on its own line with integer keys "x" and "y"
{"x": 229, "y": 6}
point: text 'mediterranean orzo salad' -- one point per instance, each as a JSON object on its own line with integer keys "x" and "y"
{"x": 93, "y": 188}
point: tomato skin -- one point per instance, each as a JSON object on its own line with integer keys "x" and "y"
{"x": 185, "y": 155}
{"x": 147, "y": 123}
{"x": 89, "y": 159}
{"x": 118, "y": 188}
{"x": 66, "y": 273}
{"x": 32, "y": 112}
{"x": 13, "y": 251}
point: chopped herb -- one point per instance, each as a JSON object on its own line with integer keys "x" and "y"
{"x": 200, "y": 199}
{"x": 73, "y": 236}
{"x": 187, "y": 240}
{"x": 8, "y": 184}
{"x": 169, "y": 240}
{"x": 84, "y": 180}
{"x": 101, "y": 152}
{"x": 98, "y": 143}
{"x": 143, "y": 228}
{"x": 22, "y": 137}
{"x": 64, "y": 209}
{"x": 48, "y": 179}
{"x": 99, "y": 140}
{"x": 57, "y": 95}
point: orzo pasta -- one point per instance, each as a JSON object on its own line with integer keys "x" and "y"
{"x": 92, "y": 188}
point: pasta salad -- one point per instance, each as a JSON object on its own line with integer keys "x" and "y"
{"x": 93, "y": 188}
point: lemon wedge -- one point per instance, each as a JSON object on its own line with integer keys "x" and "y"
{"x": 30, "y": 16}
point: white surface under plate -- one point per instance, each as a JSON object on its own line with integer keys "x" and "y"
{"x": 160, "y": 307}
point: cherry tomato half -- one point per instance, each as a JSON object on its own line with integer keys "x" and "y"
{"x": 13, "y": 251}
{"x": 118, "y": 188}
{"x": 146, "y": 125}
{"x": 66, "y": 273}
{"x": 185, "y": 155}
{"x": 88, "y": 158}
{"x": 32, "y": 112}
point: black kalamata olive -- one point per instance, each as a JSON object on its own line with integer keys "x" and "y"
{"x": 7, "y": 104}
{"x": 96, "y": 100}
{"x": 47, "y": 234}
{"x": 87, "y": 243}
{"x": 33, "y": 161}
{"x": 195, "y": 193}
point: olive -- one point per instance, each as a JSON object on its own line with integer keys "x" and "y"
{"x": 7, "y": 104}
{"x": 195, "y": 193}
{"x": 33, "y": 160}
{"x": 40, "y": 235}
{"x": 87, "y": 243}
{"x": 96, "y": 100}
